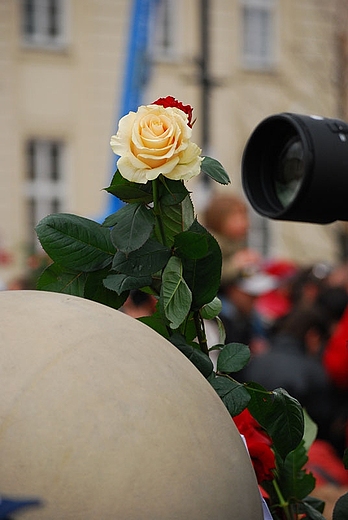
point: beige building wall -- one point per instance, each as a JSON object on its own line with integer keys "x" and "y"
{"x": 303, "y": 80}
{"x": 74, "y": 95}
{"x": 70, "y": 95}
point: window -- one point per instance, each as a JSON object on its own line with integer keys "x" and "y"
{"x": 44, "y": 23}
{"x": 44, "y": 187}
{"x": 164, "y": 46}
{"x": 258, "y": 33}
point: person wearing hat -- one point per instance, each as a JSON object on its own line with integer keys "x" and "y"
{"x": 239, "y": 316}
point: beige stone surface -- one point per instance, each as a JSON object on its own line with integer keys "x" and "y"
{"x": 100, "y": 417}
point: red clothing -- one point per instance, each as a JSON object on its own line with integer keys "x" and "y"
{"x": 335, "y": 358}
{"x": 325, "y": 465}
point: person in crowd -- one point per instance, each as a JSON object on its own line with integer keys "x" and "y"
{"x": 226, "y": 217}
{"x": 333, "y": 299}
{"x": 308, "y": 283}
{"x": 335, "y": 362}
{"x": 338, "y": 275}
{"x": 21, "y": 283}
{"x": 335, "y": 356}
{"x": 139, "y": 304}
{"x": 294, "y": 362}
{"x": 277, "y": 303}
{"x": 239, "y": 316}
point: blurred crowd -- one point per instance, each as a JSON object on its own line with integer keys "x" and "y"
{"x": 295, "y": 320}
{"x": 293, "y": 317}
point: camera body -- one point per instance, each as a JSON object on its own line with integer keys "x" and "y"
{"x": 295, "y": 167}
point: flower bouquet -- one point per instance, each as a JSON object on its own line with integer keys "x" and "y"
{"x": 155, "y": 244}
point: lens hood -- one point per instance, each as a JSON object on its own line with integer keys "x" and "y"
{"x": 295, "y": 167}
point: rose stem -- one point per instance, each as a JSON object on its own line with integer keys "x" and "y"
{"x": 199, "y": 325}
{"x": 283, "y": 504}
{"x": 157, "y": 211}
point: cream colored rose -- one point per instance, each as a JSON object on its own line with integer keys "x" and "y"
{"x": 153, "y": 141}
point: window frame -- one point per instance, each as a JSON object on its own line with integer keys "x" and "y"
{"x": 258, "y": 34}
{"x": 38, "y": 22}
{"x": 45, "y": 181}
{"x": 164, "y": 43}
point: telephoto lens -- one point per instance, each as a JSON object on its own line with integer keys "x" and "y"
{"x": 295, "y": 167}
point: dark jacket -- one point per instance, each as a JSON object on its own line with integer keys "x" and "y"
{"x": 287, "y": 365}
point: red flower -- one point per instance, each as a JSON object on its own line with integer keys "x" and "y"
{"x": 259, "y": 445}
{"x": 170, "y": 101}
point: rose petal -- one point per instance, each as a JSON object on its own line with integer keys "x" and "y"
{"x": 189, "y": 154}
{"x": 185, "y": 172}
{"x": 129, "y": 172}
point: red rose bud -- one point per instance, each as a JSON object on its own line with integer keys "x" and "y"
{"x": 259, "y": 445}
{"x": 170, "y": 101}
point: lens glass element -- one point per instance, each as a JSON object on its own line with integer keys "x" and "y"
{"x": 290, "y": 171}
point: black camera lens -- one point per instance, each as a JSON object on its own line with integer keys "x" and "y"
{"x": 274, "y": 166}
{"x": 295, "y": 167}
{"x": 290, "y": 171}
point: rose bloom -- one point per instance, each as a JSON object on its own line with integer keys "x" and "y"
{"x": 259, "y": 445}
{"x": 157, "y": 140}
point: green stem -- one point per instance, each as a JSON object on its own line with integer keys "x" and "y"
{"x": 282, "y": 502}
{"x": 199, "y": 325}
{"x": 157, "y": 210}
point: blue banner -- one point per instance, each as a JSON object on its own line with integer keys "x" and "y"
{"x": 137, "y": 70}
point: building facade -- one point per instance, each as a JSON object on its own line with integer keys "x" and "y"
{"x": 63, "y": 64}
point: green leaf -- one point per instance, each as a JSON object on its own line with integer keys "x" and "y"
{"x": 95, "y": 290}
{"x": 294, "y": 480}
{"x": 215, "y": 170}
{"x": 175, "y": 294}
{"x": 187, "y": 214}
{"x": 55, "y": 278}
{"x": 122, "y": 282}
{"x": 233, "y": 394}
{"x": 172, "y": 192}
{"x": 191, "y": 245}
{"x": 310, "y": 509}
{"x": 261, "y": 402}
{"x": 111, "y": 220}
{"x": 188, "y": 329}
{"x": 233, "y": 357}
{"x": 148, "y": 259}
{"x": 310, "y": 430}
{"x": 345, "y": 458}
{"x": 75, "y": 242}
{"x": 156, "y": 322}
{"x": 196, "y": 356}
{"x": 134, "y": 225}
{"x": 211, "y": 310}
{"x": 130, "y": 192}
{"x": 340, "y": 511}
{"x": 280, "y": 414}
{"x": 175, "y": 219}
{"x": 206, "y": 268}
{"x": 315, "y": 503}
{"x": 285, "y": 421}
{"x": 221, "y": 330}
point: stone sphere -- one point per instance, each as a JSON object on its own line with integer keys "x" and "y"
{"x": 101, "y": 417}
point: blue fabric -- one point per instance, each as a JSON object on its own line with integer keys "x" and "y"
{"x": 8, "y": 506}
{"x": 266, "y": 512}
{"x": 137, "y": 71}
